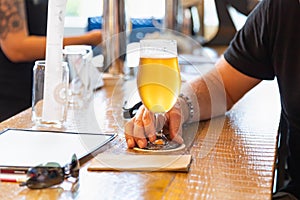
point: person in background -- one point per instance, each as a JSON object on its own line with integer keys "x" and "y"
{"x": 267, "y": 47}
{"x": 22, "y": 41}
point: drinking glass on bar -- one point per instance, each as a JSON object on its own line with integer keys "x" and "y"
{"x": 158, "y": 81}
{"x": 60, "y": 95}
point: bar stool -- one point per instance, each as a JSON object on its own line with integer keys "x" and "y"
{"x": 226, "y": 29}
{"x": 281, "y": 174}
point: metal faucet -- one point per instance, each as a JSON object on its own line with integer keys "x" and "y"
{"x": 114, "y": 30}
{"x": 171, "y": 14}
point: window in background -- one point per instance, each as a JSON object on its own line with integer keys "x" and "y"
{"x": 146, "y": 8}
{"x": 77, "y": 13}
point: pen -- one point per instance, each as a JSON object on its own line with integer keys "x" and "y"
{"x": 12, "y": 180}
{"x": 13, "y": 170}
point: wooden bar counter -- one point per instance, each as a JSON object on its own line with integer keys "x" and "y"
{"x": 233, "y": 157}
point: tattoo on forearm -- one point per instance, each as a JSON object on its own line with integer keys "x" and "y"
{"x": 11, "y": 16}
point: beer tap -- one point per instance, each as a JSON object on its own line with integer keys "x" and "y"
{"x": 115, "y": 38}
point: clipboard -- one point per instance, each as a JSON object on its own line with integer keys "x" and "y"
{"x": 21, "y": 149}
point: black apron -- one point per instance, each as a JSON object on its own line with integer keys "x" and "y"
{"x": 16, "y": 78}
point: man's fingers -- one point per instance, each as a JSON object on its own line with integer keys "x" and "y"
{"x": 129, "y": 134}
{"x": 142, "y": 127}
{"x": 149, "y": 127}
{"x": 175, "y": 125}
{"x": 138, "y": 129}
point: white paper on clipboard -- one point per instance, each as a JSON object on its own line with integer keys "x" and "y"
{"x": 26, "y": 148}
{"x": 53, "y": 69}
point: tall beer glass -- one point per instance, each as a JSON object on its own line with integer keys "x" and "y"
{"x": 158, "y": 78}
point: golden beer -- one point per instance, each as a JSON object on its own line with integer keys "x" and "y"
{"x": 158, "y": 82}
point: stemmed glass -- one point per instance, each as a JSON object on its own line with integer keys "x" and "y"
{"x": 158, "y": 82}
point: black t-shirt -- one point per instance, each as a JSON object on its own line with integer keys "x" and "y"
{"x": 16, "y": 78}
{"x": 268, "y": 46}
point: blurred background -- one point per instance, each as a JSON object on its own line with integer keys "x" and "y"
{"x": 84, "y": 15}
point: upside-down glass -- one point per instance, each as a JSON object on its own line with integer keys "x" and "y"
{"x": 78, "y": 58}
{"x": 158, "y": 81}
{"x": 60, "y": 95}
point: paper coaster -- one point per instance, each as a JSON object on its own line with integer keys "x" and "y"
{"x": 140, "y": 162}
{"x": 162, "y": 149}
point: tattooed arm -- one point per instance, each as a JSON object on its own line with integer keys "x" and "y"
{"x": 18, "y": 45}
